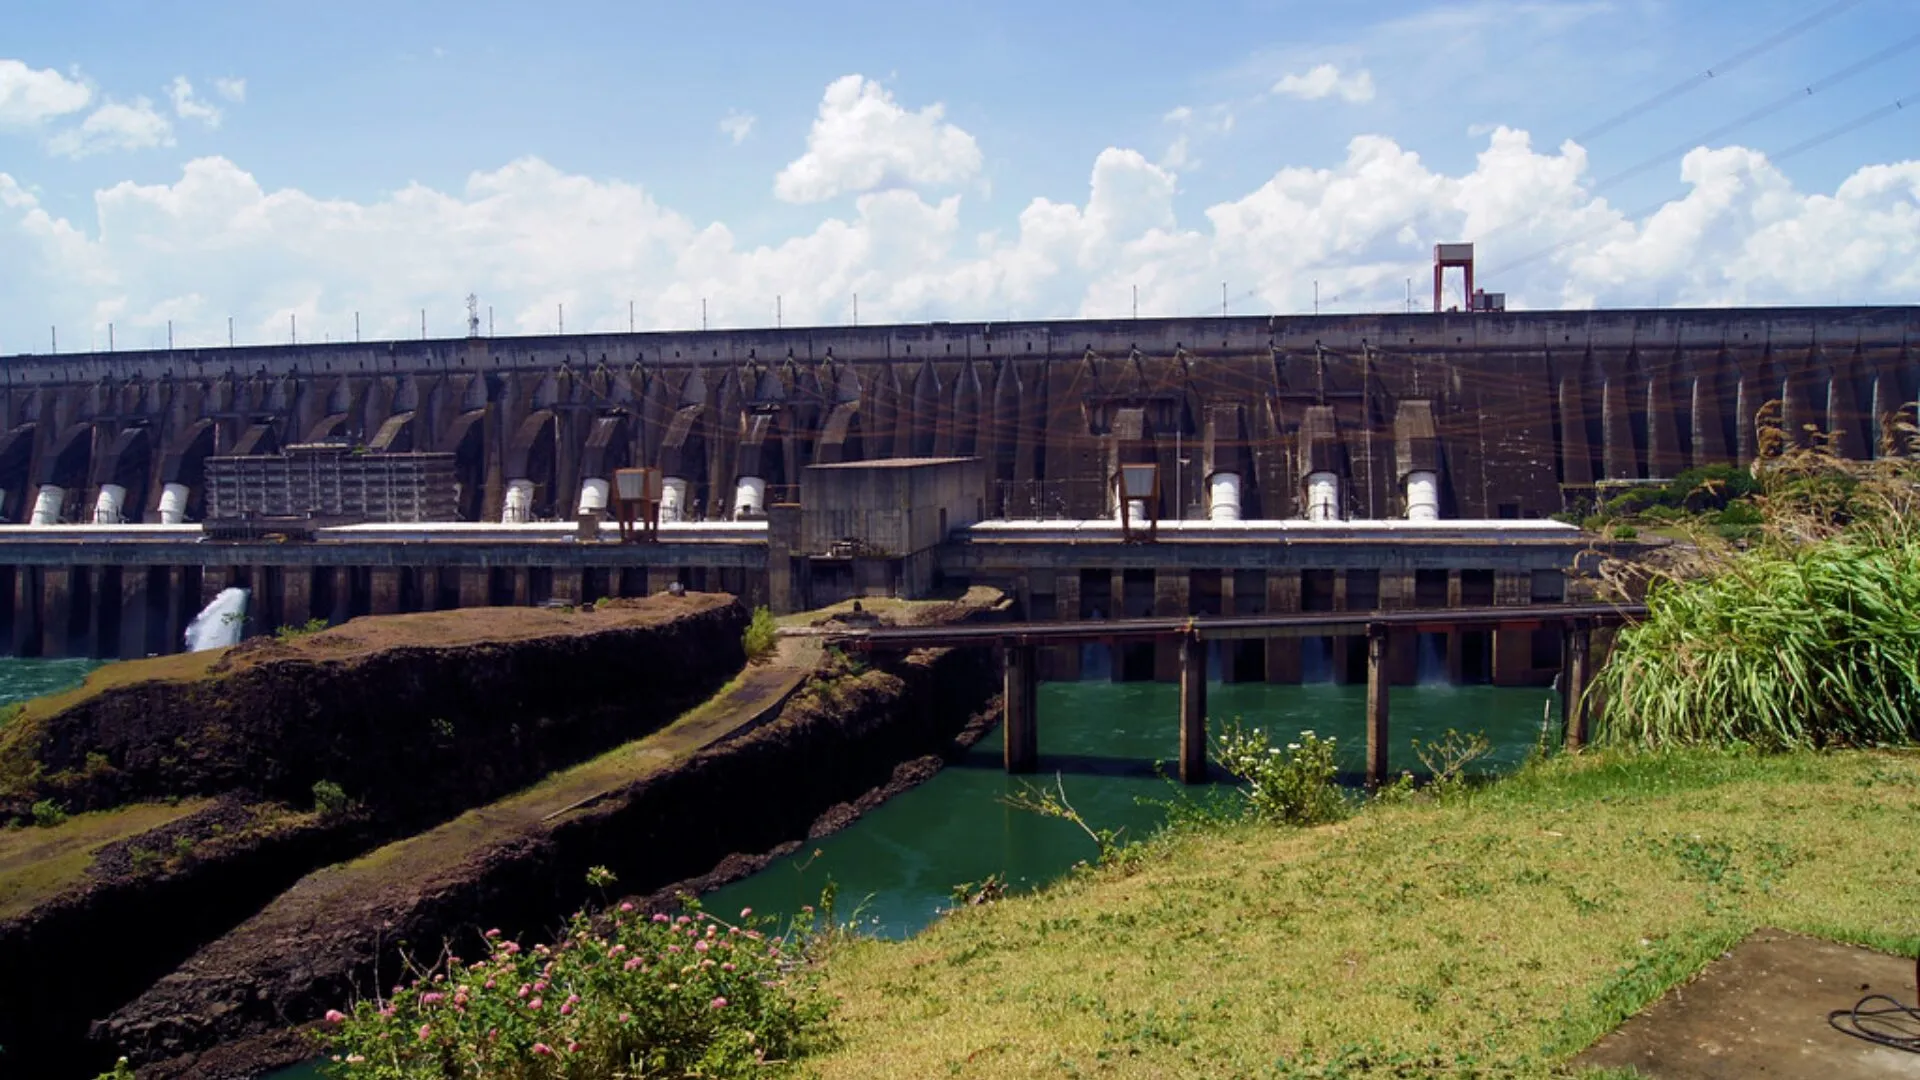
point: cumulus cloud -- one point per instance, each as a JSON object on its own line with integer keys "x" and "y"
{"x": 189, "y": 107}
{"x": 1324, "y": 81}
{"x": 115, "y": 126}
{"x": 737, "y": 125}
{"x": 234, "y": 90}
{"x": 528, "y": 236}
{"x": 30, "y": 96}
{"x": 862, "y": 140}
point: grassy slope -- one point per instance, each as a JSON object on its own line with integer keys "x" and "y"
{"x": 37, "y": 863}
{"x": 1498, "y": 932}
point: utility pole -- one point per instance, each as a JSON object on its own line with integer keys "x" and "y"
{"x": 629, "y": 316}
{"x": 489, "y": 320}
{"x": 856, "y": 309}
{"x": 1223, "y": 299}
{"x": 110, "y": 336}
{"x": 1409, "y": 296}
{"x": 703, "y": 313}
{"x": 54, "y": 333}
{"x": 778, "y": 319}
{"x": 230, "y": 330}
{"x": 1136, "y": 301}
{"x": 293, "y": 328}
{"x": 356, "y": 328}
{"x": 1316, "y": 296}
{"x": 423, "y": 324}
{"x": 169, "y": 334}
{"x": 563, "y": 317}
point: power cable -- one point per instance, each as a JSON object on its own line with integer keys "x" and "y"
{"x": 1798, "y": 148}
{"x": 1714, "y": 71}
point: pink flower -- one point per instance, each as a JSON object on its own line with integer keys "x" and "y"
{"x": 525, "y": 989}
{"x": 726, "y": 967}
{"x": 566, "y": 1010}
{"x": 682, "y": 920}
{"x": 746, "y": 912}
{"x": 616, "y": 950}
{"x": 573, "y": 1048}
{"x": 539, "y": 984}
{"x": 659, "y": 917}
{"x": 426, "y": 1032}
{"x": 673, "y": 948}
{"x": 542, "y": 1049}
{"x": 626, "y": 907}
{"x": 719, "y": 1003}
{"x": 432, "y": 999}
{"x": 535, "y": 1004}
{"x": 493, "y": 933}
{"x": 631, "y": 964}
{"x": 335, "y": 1016}
{"x": 700, "y": 946}
{"x": 625, "y": 1017}
{"x": 573, "y": 999}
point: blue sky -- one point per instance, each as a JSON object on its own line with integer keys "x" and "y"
{"x": 990, "y": 160}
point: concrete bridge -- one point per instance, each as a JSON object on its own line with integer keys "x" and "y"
{"x": 1020, "y": 644}
{"x": 1480, "y": 415}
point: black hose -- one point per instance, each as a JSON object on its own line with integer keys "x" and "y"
{"x": 1891, "y": 1024}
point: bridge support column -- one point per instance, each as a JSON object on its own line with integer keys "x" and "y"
{"x": 56, "y": 601}
{"x": 1193, "y": 709}
{"x": 1573, "y": 684}
{"x": 1378, "y": 686}
{"x": 27, "y": 614}
{"x": 296, "y": 595}
{"x": 384, "y": 590}
{"x": 475, "y": 586}
{"x": 133, "y": 613}
{"x": 1020, "y": 708}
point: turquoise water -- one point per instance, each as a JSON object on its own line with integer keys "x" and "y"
{"x": 899, "y": 864}
{"x": 23, "y": 679}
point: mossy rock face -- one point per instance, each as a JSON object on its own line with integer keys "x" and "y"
{"x": 369, "y": 705}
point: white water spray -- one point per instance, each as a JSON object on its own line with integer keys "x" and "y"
{"x": 220, "y": 623}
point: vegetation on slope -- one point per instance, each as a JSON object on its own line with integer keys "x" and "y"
{"x": 1496, "y": 930}
{"x": 1807, "y": 635}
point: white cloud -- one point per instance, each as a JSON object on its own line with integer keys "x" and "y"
{"x": 188, "y": 107}
{"x": 234, "y": 90}
{"x": 115, "y": 126}
{"x": 29, "y": 96}
{"x": 528, "y": 236}
{"x": 1325, "y": 80}
{"x": 737, "y": 125}
{"x": 862, "y": 140}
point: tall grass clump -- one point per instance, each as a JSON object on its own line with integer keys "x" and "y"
{"x": 762, "y": 634}
{"x": 1806, "y": 636}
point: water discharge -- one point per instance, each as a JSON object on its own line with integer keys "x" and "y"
{"x": 220, "y": 623}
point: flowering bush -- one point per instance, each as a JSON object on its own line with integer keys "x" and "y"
{"x": 649, "y": 996}
{"x": 1293, "y": 786}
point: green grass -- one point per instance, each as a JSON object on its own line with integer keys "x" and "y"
{"x": 37, "y": 863}
{"x": 1497, "y": 932}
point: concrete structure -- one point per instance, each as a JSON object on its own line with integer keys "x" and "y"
{"x": 1327, "y": 464}
{"x": 1523, "y": 412}
{"x": 875, "y": 528}
{"x": 329, "y": 482}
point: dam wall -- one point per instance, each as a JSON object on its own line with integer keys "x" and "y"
{"x": 1527, "y": 410}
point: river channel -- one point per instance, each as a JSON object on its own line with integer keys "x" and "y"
{"x": 1109, "y": 743}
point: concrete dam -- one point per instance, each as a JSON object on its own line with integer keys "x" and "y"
{"x": 1301, "y": 463}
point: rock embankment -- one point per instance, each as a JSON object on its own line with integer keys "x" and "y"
{"x": 410, "y": 715}
{"x": 414, "y": 717}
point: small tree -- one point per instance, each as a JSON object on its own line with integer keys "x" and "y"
{"x": 762, "y": 634}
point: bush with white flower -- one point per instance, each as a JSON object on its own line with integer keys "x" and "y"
{"x": 690, "y": 995}
{"x": 1291, "y": 785}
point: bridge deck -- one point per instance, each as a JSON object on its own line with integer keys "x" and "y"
{"x": 1231, "y": 627}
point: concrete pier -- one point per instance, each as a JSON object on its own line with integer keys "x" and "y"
{"x": 1020, "y": 704}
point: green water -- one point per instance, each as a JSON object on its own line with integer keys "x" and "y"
{"x": 899, "y": 864}
{"x": 23, "y": 679}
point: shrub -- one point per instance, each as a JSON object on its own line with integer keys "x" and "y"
{"x": 330, "y": 798}
{"x": 291, "y": 633}
{"x": 649, "y": 996}
{"x": 1290, "y": 786}
{"x": 47, "y": 813}
{"x": 762, "y": 634}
